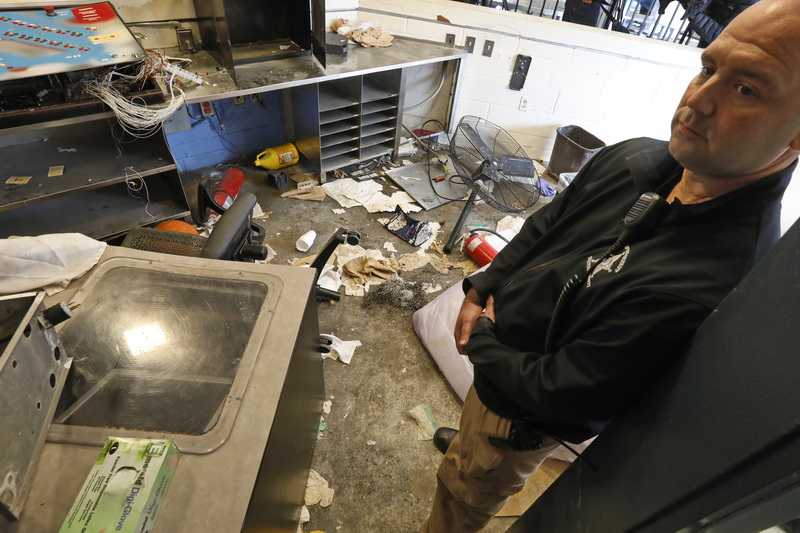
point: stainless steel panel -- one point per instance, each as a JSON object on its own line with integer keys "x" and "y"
{"x": 33, "y": 365}
{"x": 263, "y": 463}
{"x": 160, "y": 349}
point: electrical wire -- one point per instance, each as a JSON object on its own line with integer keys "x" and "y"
{"x": 136, "y": 117}
{"x": 432, "y": 96}
{"x": 476, "y": 231}
{"x": 135, "y": 187}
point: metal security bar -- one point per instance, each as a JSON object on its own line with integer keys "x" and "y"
{"x": 637, "y": 17}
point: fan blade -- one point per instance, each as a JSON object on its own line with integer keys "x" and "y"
{"x": 477, "y": 142}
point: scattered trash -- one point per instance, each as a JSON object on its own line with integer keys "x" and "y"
{"x": 326, "y": 407}
{"x": 366, "y": 33}
{"x": 565, "y": 178}
{"x": 339, "y": 211}
{"x": 510, "y": 223}
{"x": 317, "y": 490}
{"x": 315, "y": 194}
{"x": 546, "y": 189}
{"x": 371, "y": 443}
{"x": 304, "y": 181}
{"x": 339, "y": 349}
{"x": 397, "y": 293}
{"x": 389, "y": 247}
{"x": 329, "y": 278}
{"x": 410, "y": 230}
{"x": 430, "y": 288}
{"x": 305, "y": 241}
{"x": 350, "y": 193}
{"x": 426, "y": 425}
{"x": 368, "y": 268}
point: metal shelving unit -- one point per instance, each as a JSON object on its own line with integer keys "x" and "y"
{"x": 107, "y": 186}
{"x": 357, "y": 117}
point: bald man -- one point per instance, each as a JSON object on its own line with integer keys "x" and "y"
{"x": 550, "y": 368}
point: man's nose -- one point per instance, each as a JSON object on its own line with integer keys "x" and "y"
{"x": 703, "y": 99}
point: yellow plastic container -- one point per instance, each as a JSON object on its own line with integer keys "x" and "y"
{"x": 278, "y": 157}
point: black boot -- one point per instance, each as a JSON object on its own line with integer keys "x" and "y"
{"x": 443, "y": 437}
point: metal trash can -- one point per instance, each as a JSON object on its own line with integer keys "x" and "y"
{"x": 573, "y": 148}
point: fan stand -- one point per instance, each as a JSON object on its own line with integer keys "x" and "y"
{"x": 460, "y": 222}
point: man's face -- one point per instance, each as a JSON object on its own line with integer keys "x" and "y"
{"x": 742, "y": 111}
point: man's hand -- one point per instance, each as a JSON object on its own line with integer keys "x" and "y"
{"x": 471, "y": 309}
{"x": 488, "y": 312}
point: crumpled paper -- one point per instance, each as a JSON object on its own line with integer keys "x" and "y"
{"x": 366, "y": 268}
{"x": 339, "y": 349}
{"x": 317, "y": 490}
{"x": 367, "y": 34}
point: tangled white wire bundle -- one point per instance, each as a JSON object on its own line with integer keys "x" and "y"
{"x": 135, "y": 116}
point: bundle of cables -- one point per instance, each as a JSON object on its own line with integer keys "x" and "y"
{"x": 134, "y": 115}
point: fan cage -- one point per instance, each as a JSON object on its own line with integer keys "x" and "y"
{"x": 511, "y": 194}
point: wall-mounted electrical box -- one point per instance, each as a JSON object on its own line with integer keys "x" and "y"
{"x": 521, "y": 66}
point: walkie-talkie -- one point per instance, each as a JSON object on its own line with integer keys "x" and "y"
{"x": 644, "y": 215}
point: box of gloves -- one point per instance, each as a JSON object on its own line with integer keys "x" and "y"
{"x": 125, "y": 488}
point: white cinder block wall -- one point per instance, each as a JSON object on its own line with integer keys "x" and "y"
{"x": 613, "y": 85}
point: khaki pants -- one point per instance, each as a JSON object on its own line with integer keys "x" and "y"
{"x": 476, "y": 478}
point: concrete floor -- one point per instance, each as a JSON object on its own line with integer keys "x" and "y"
{"x": 388, "y": 485}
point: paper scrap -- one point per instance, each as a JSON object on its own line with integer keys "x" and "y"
{"x": 350, "y": 193}
{"x": 389, "y": 247}
{"x": 56, "y": 170}
{"x": 371, "y": 443}
{"x": 317, "y": 490}
{"x": 316, "y": 194}
{"x": 329, "y": 278}
{"x": 368, "y": 267}
{"x": 339, "y": 349}
{"x": 430, "y": 288}
{"x": 426, "y": 425}
{"x": 339, "y": 211}
{"x": 18, "y": 180}
{"x": 326, "y": 407}
{"x": 510, "y": 223}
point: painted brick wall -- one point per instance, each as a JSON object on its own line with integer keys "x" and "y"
{"x": 236, "y": 131}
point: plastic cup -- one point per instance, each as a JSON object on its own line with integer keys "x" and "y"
{"x": 306, "y": 240}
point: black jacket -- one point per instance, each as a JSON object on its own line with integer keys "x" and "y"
{"x": 635, "y": 313}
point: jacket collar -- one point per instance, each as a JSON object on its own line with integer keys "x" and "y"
{"x": 654, "y": 169}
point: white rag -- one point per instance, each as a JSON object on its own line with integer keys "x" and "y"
{"x": 47, "y": 261}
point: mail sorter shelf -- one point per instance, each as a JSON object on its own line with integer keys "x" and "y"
{"x": 65, "y": 167}
{"x": 336, "y": 127}
{"x": 375, "y": 90}
{"x": 333, "y": 95}
{"x": 356, "y": 118}
{"x": 372, "y": 118}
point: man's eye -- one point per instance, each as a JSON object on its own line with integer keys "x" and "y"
{"x": 707, "y": 71}
{"x": 744, "y": 90}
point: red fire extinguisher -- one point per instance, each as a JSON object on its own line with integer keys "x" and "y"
{"x": 479, "y": 249}
{"x": 228, "y": 187}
